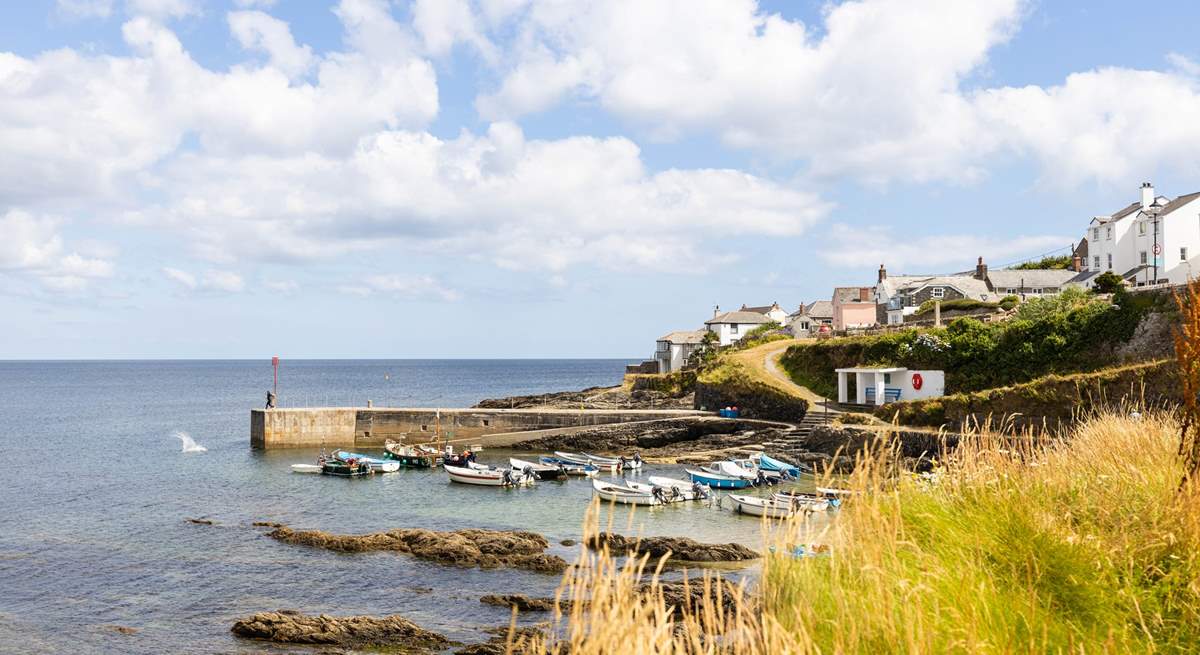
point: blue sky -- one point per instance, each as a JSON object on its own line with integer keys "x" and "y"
{"x": 520, "y": 178}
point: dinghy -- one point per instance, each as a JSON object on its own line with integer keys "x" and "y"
{"x": 835, "y": 493}
{"x": 348, "y": 468}
{"x": 570, "y": 467}
{"x": 768, "y": 463}
{"x": 376, "y": 464}
{"x": 487, "y": 477}
{"x": 617, "y": 493}
{"x": 739, "y": 470}
{"x": 802, "y": 497}
{"x": 697, "y": 490}
{"x": 584, "y": 460}
{"x": 407, "y": 456}
{"x": 775, "y": 509}
{"x": 717, "y": 480}
{"x": 669, "y": 493}
{"x": 540, "y": 471}
{"x": 621, "y": 463}
{"x": 306, "y": 468}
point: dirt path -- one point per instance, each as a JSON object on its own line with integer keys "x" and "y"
{"x": 763, "y": 363}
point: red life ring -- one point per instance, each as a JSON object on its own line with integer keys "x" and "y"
{"x": 917, "y": 381}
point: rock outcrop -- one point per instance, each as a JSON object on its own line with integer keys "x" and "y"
{"x": 350, "y": 631}
{"x": 678, "y": 548}
{"x": 487, "y": 549}
{"x": 522, "y": 602}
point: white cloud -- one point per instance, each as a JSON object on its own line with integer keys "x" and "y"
{"x": 862, "y": 247}
{"x": 263, "y": 4}
{"x": 443, "y": 23}
{"x": 406, "y": 287}
{"x": 32, "y": 246}
{"x": 212, "y": 281}
{"x": 162, "y": 8}
{"x": 255, "y": 30}
{"x": 84, "y": 8}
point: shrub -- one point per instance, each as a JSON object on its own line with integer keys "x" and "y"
{"x": 960, "y": 304}
{"x": 1058, "y": 262}
{"x": 1108, "y": 282}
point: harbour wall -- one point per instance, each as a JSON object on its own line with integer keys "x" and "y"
{"x": 370, "y": 427}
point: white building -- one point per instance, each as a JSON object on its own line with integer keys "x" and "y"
{"x": 1156, "y": 239}
{"x": 675, "y": 349}
{"x": 732, "y": 326}
{"x": 879, "y": 385}
{"x": 772, "y": 311}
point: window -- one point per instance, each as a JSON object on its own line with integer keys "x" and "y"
{"x": 887, "y": 378}
{"x": 1183, "y": 254}
{"x": 1011, "y": 291}
{"x": 663, "y": 347}
{"x": 938, "y": 292}
{"x": 1108, "y": 233}
{"x": 1141, "y": 228}
{"x": 1037, "y": 291}
{"x": 1110, "y": 261}
{"x": 1142, "y": 257}
{"x": 486, "y": 422}
{"x": 1096, "y": 261}
{"x": 733, "y": 327}
{"x": 1095, "y": 234}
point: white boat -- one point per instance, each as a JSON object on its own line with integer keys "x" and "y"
{"x": 835, "y": 493}
{"x": 667, "y": 494}
{"x": 487, "y": 478}
{"x": 571, "y": 468}
{"x": 306, "y": 468}
{"x": 622, "y": 463}
{"x": 801, "y": 499}
{"x": 378, "y": 465}
{"x": 754, "y": 506}
{"x": 618, "y": 493}
{"x": 695, "y": 489}
{"x": 540, "y": 471}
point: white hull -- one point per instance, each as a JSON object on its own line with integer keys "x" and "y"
{"x": 485, "y": 478}
{"x": 666, "y": 494}
{"x": 761, "y": 507}
{"x": 802, "y": 502}
{"x": 684, "y": 486}
{"x": 306, "y": 468}
{"x": 621, "y": 494}
{"x": 836, "y": 493}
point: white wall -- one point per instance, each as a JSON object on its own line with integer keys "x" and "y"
{"x": 1181, "y": 229}
{"x": 933, "y": 384}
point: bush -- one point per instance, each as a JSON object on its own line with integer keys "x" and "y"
{"x": 960, "y": 304}
{"x": 1053, "y": 262}
{"x": 1108, "y": 282}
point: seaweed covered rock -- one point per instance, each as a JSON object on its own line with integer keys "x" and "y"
{"x": 678, "y": 548}
{"x": 295, "y": 628}
{"x": 522, "y": 602}
{"x": 487, "y": 549}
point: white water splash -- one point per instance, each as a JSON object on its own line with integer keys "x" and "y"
{"x": 189, "y": 444}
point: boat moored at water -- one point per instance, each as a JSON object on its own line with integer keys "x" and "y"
{"x": 717, "y": 480}
{"x": 571, "y": 468}
{"x": 345, "y": 468}
{"x": 408, "y": 456}
{"x": 487, "y": 476}
{"x": 540, "y": 471}
{"x": 306, "y": 468}
{"x": 806, "y": 498}
{"x": 740, "y": 470}
{"x": 769, "y": 507}
{"x": 620, "y": 463}
{"x": 694, "y": 490}
{"x": 624, "y": 494}
{"x": 768, "y": 463}
{"x": 378, "y": 465}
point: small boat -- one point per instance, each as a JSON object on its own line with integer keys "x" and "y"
{"x": 835, "y": 493}
{"x": 697, "y": 490}
{"x": 348, "y": 468}
{"x": 570, "y": 467}
{"x": 487, "y": 477}
{"x": 540, "y": 471}
{"x": 306, "y": 468}
{"x": 717, "y": 480}
{"x": 670, "y": 493}
{"x": 378, "y": 465}
{"x": 775, "y": 509}
{"x": 744, "y": 469}
{"x": 622, "y": 463}
{"x": 407, "y": 456}
{"x": 619, "y": 493}
{"x": 768, "y": 463}
{"x": 802, "y": 498}
{"x": 582, "y": 460}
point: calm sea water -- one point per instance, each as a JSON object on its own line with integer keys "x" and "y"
{"x": 93, "y": 529}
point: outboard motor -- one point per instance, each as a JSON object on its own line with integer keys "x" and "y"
{"x": 527, "y": 472}
{"x": 700, "y": 490}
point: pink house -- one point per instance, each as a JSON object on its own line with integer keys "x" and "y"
{"x": 854, "y": 307}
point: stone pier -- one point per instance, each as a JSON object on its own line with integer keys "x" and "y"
{"x": 371, "y": 426}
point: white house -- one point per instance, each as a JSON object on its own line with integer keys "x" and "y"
{"x": 675, "y": 349}
{"x": 732, "y": 326}
{"x": 1026, "y": 283}
{"x": 772, "y": 311}
{"x": 809, "y": 318}
{"x": 1156, "y": 239}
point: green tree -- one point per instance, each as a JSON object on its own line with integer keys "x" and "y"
{"x": 1108, "y": 282}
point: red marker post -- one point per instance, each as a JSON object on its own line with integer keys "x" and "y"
{"x": 275, "y": 365}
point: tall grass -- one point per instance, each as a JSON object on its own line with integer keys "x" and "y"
{"x": 1077, "y": 545}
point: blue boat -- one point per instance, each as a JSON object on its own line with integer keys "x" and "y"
{"x": 718, "y": 481}
{"x": 376, "y": 464}
{"x": 768, "y": 463}
{"x": 572, "y": 468}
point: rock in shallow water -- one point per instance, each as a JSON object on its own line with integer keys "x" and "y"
{"x": 289, "y": 628}
{"x": 679, "y": 548}
{"x": 522, "y": 602}
{"x": 487, "y": 549}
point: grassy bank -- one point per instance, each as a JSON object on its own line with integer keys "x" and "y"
{"x": 1080, "y": 545}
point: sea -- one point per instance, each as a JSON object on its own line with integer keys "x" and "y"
{"x": 110, "y": 460}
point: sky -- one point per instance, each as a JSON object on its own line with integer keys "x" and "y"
{"x": 547, "y": 178}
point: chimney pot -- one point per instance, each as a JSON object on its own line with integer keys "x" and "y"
{"x": 981, "y": 270}
{"x": 882, "y": 273}
{"x": 1147, "y": 194}
{"x": 1077, "y": 263}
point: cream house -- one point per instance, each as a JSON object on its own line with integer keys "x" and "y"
{"x": 674, "y": 350}
{"x": 732, "y": 326}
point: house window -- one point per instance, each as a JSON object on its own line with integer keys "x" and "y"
{"x": 1096, "y": 261}
{"x": 1037, "y": 291}
{"x": 1108, "y": 233}
{"x": 733, "y": 328}
{"x": 1183, "y": 254}
{"x": 1095, "y": 234}
{"x": 1141, "y": 228}
{"x": 938, "y": 292}
{"x": 887, "y": 378}
{"x": 1010, "y": 291}
{"x": 1142, "y": 257}
{"x": 424, "y": 428}
{"x": 1110, "y": 261}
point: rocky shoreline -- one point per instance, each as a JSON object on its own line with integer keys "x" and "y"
{"x": 618, "y": 397}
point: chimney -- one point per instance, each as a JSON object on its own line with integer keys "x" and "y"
{"x": 1077, "y": 264}
{"x": 981, "y": 270}
{"x": 1147, "y": 195}
{"x": 882, "y": 273}
{"x": 716, "y": 310}
{"x": 864, "y": 294}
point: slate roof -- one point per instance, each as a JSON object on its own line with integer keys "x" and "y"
{"x": 1179, "y": 202}
{"x": 761, "y": 310}
{"x": 852, "y": 294}
{"x": 820, "y": 309}
{"x": 1033, "y": 278}
{"x": 738, "y": 317}
{"x": 684, "y": 336}
{"x": 969, "y": 286}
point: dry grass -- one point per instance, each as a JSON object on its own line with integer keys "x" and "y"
{"x": 1079, "y": 545}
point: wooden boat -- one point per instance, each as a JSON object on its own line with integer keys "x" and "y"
{"x": 378, "y": 465}
{"x": 349, "y": 468}
{"x": 408, "y": 456}
{"x": 570, "y": 467}
{"x": 775, "y": 509}
{"x": 717, "y": 480}
{"x": 697, "y": 490}
{"x": 487, "y": 477}
{"x": 768, "y": 463}
{"x": 802, "y": 498}
{"x": 619, "y": 493}
{"x": 621, "y": 463}
{"x": 306, "y": 468}
{"x": 540, "y": 471}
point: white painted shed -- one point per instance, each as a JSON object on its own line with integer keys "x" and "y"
{"x": 877, "y": 385}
